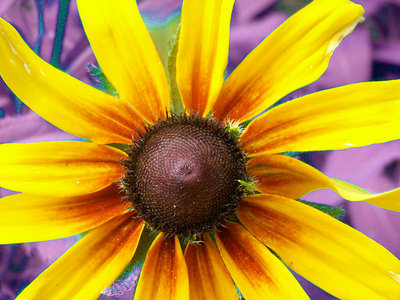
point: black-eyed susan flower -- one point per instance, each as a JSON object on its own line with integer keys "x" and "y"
{"x": 223, "y": 204}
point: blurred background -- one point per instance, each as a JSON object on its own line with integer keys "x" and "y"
{"x": 372, "y": 52}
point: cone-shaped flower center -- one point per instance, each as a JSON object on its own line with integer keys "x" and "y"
{"x": 182, "y": 175}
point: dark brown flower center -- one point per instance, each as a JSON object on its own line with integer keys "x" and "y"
{"x": 182, "y": 175}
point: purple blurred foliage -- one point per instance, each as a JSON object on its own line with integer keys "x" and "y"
{"x": 372, "y": 51}
{"x": 17, "y": 268}
{"x": 20, "y": 264}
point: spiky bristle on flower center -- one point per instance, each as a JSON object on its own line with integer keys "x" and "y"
{"x": 182, "y": 176}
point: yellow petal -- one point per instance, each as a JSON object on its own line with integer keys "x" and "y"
{"x": 350, "y": 116}
{"x": 256, "y": 271}
{"x": 91, "y": 265}
{"x": 203, "y": 52}
{"x": 28, "y": 218}
{"x": 294, "y": 55}
{"x": 286, "y": 176}
{"x": 330, "y": 254}
{"x": 164, "y": 274}
{"x": 208, "y": 276}
{"x": 64, "y": 101}
{"x": 389, "y": 200}
{"x": 126, "y": 54}
{"x": 59, "y": 168}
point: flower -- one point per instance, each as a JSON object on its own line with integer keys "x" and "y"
{"x": 74, "y": 187}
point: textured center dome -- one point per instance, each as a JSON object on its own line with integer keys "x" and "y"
{"x": 182, "y": 175}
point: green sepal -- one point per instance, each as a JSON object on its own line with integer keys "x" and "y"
{"x": 165, "y": 36}
{"x": 234, "y": 130}
{"x": 291, "y": 153}
{"x": 163, "y": 33}
{"x": 193, "y": 240}
{"x": 105, "y": 85}
{"x": 123, "y": 147}
{"x": 176, "y": 101}
{"x": 245, "y": 123}
{"x": 248, "y": 185}
{"x": 333, "y": 211}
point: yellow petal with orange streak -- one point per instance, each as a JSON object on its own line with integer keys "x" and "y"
{"x": 290, "y": 177}
{"x": 202, "y": 52}
{"x": 59, "y": 169}
{"x": 126, "y": 54}
{"x": 28, "y": 218}
{"x": 354, "y": 115}
{"x": 296, "y": 54}
{"x": 325, "y": 251}
{"x": 91, "y": 265}
{"x": 256, "y": 271}
{"x": 208, "y": 276}
{"x": 64, "y": 101}
{"x": 164, "y": 274}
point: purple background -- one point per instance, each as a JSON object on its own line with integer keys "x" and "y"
{"x": 372, "y": 51}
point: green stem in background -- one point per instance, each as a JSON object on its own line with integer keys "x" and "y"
{"x": 41, "y": 29}
{"x": 60, "y": 31}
